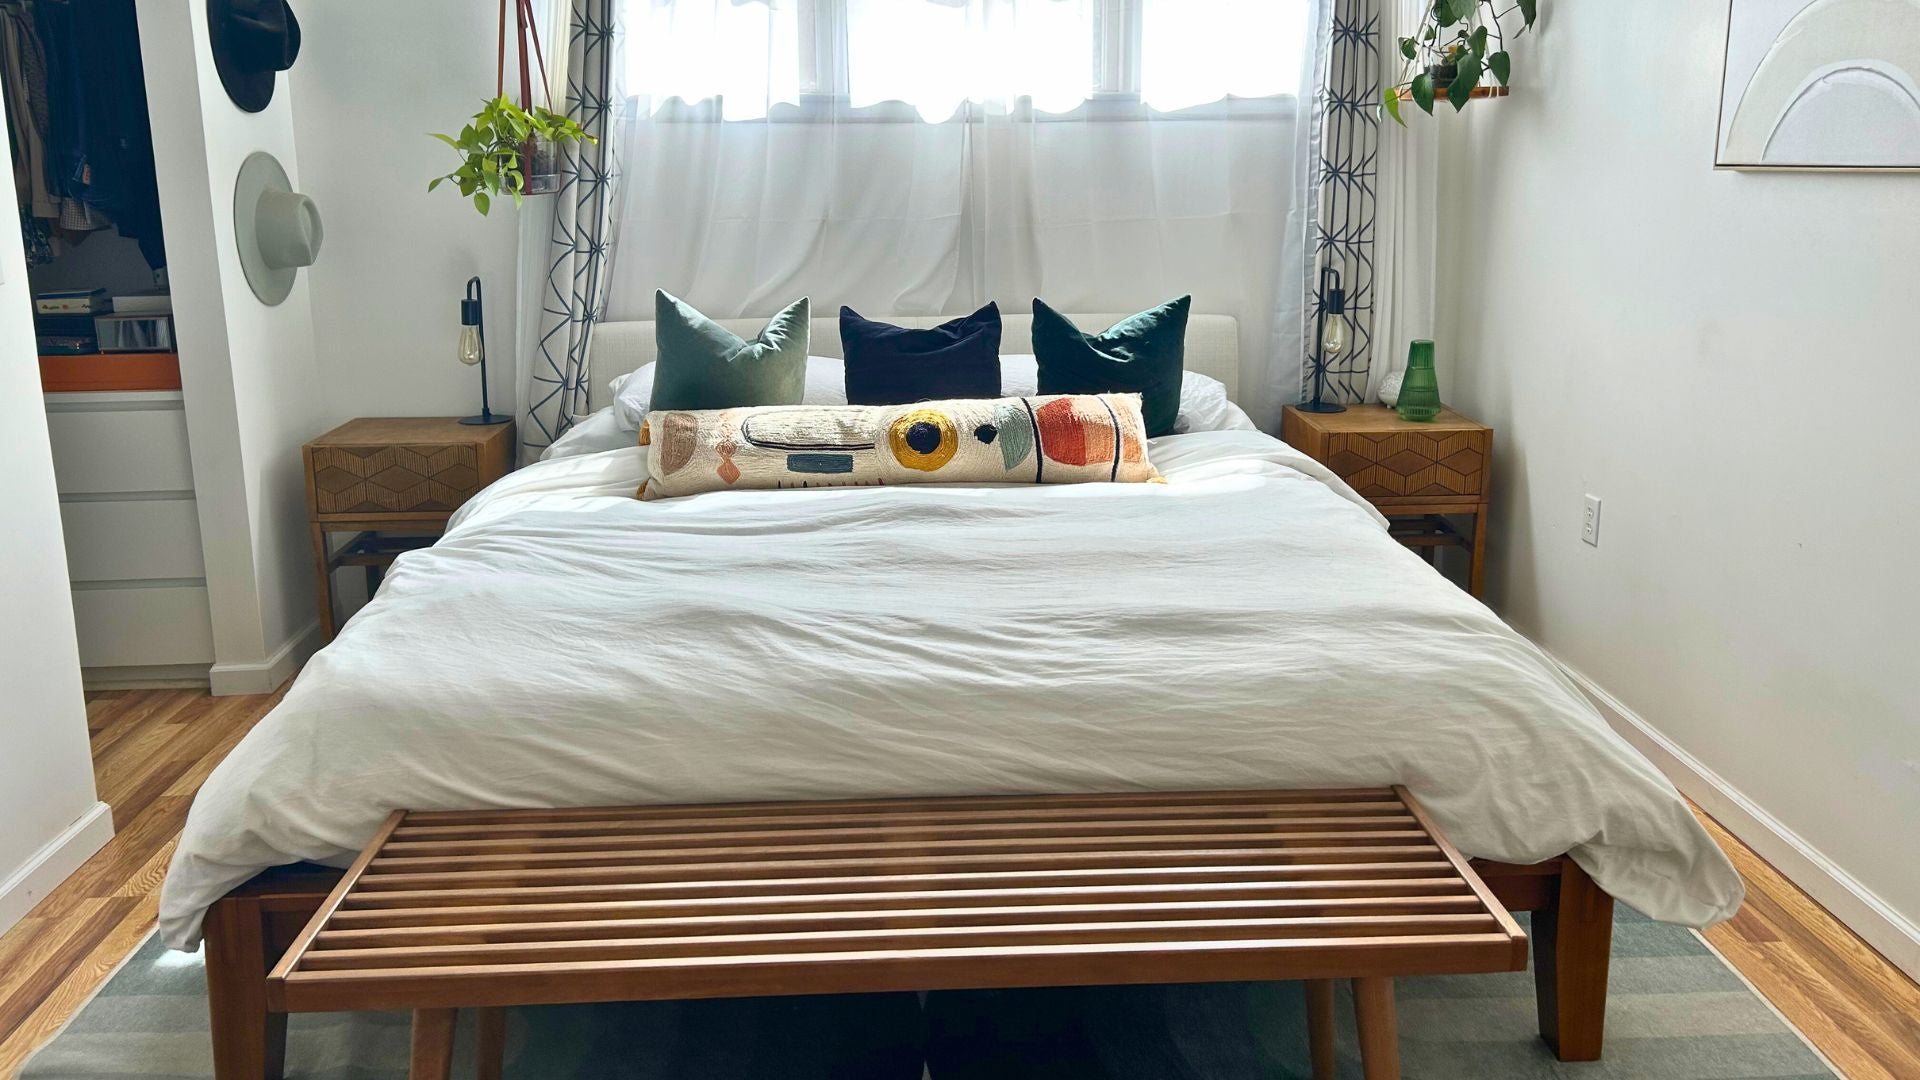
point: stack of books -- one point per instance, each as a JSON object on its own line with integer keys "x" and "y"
{"x": 72, "y": 302}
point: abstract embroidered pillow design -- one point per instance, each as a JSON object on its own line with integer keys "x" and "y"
{"x": 1030, "y": 440}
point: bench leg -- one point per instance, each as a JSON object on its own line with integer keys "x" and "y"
{"x": 1320, "y": 1027}
{"x": 249, "y": 1040}
{"x": 1379, "y": 1028}
{"x": 432, "y": 1057}
{"x": 492, "y": 1054}
{"x": 1572, "y": 945}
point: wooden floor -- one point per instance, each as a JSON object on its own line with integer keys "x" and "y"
{"x": 153, "y": 748}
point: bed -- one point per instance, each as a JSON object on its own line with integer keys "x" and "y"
{"x": 1247, "y": 624}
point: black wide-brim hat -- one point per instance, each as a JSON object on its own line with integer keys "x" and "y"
{"x": 253, "y": 40}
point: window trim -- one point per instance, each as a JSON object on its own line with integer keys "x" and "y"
{"x": 825, "y": 94}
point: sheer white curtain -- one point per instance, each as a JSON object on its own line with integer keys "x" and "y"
{"x": 909, "y": 157}
{"x": 1406, "y": 266}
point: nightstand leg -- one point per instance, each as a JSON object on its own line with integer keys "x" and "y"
{"x": 323, "y": 582}
{"x": 1477, "y": 573}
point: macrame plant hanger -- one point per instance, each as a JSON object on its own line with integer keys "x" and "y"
{"x": 540, "y": 158}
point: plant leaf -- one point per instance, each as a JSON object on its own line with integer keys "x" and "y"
{"x": 1391, "y": 99}
{"x": 434, "y": 183}
{"x": 1407, "y": 48}
{"x": 1478, "y": 42}
{"x": 1501, "y": 65}
{"x": 1460, "y": 91}
{"x": 1443, "y": 13}
{"x": 1529, "y": 10}
{"x": 1422, "y": 90}
{"x": 482, "y": 203}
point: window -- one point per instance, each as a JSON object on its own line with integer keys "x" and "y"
{"x": 744, "y": 57}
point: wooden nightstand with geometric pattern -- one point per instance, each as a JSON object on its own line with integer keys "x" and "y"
{"x": 382, "y": 476}
{"x": 1416, "y": 474}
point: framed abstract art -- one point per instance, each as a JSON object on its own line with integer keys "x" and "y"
{"x": 1821, "y": 85}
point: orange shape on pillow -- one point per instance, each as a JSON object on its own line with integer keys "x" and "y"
{"x": 1072, "y": 437}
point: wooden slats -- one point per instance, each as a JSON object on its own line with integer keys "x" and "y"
{"x": 596, "y": 834}
{"x": 775, "y": 867}
{"x": 450, "y": 907}
{"x": 932, "y": 936}
{"x": 928, "y": 846}
{"x": 1280, "y": 894}
{"x": 653, "y": 882}
{"x": 656, "y": 923}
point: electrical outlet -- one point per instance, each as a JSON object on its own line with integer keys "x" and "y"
{"x": 1590, "y": 525}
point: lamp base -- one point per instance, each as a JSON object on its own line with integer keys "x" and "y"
{"x": 1312, "y": 407}
{"x": 485, "y": 419}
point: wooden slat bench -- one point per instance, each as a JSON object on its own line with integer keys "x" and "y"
{"x": 445, "y": 910}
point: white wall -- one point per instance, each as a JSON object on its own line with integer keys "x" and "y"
{"x": 50, "y": 820}
{"x": 248, "y": 371}
{"x": 1729, "y": 361}
{"x": 374, "y": 77}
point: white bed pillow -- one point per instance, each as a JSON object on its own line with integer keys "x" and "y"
{"x": 604, "y": 430}
{"x": 1203, "y": 400}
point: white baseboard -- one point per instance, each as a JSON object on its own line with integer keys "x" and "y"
{"x": 267, "y": 676}
{"x": 147, "y": 677}
{"x": 57, "y": 859}
{"x": 1890, "y": 933}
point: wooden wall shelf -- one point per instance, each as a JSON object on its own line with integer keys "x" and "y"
{"x": 1478, "y": 92}
{"x": 110, "y": 371}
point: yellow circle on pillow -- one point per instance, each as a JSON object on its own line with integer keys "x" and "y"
{"x": 912, "y": 458}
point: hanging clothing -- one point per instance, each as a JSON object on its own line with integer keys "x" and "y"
{"x": 24, "y": 66}
{"x": 77, "y": 112}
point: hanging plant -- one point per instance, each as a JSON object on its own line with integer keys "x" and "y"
{"x": 510, "y": 148}
{"x": 503, "y": 147}
{"x": 1459, "y": 45}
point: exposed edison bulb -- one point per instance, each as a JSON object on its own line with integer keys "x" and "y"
{"x": 1336, "y": 341}
{"x": 469, "y": 348}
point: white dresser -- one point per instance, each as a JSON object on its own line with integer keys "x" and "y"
{"x": 133, "y": 537}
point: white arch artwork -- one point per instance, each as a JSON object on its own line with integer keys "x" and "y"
{"x": 1821, "y": 84}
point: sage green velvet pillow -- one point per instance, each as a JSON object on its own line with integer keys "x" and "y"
{"x": 703, "y": 365}
{"x": 1142, "y": 354}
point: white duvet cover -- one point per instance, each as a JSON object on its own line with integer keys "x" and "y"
{"x": 1248, "y": 624}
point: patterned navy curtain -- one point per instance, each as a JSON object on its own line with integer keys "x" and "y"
{"x": 573, "y": 297}
{"x": 1344, "y": 234}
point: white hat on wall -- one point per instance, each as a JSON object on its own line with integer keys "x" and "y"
{"x": 276, "y": 228}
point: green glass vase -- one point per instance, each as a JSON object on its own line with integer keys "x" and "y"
{"x": 1419, "y": 401}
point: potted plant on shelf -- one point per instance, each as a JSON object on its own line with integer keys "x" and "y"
{"x": 511, "y": 148}
{"x": 1458, "y": 45}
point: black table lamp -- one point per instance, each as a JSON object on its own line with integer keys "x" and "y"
{"x": 473, "y": 350}
{"x": 1329, "y": 340}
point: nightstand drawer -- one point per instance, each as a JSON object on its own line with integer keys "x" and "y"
{"x": 393, "y": 479}
{"x": 1411, "y": 464}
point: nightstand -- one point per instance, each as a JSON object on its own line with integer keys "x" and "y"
{"x": 1415, "y": 474}
{"x": 393, "y": 482}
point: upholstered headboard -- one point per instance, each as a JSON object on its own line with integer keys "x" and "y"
{"x": 1213, "y": 342}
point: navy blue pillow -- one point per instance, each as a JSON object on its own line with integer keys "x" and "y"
{"x": 892, "y": 365}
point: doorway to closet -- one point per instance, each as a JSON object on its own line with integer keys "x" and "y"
{"x": 89, "y": 215}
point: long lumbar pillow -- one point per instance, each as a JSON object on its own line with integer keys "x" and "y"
{"x": 1062, "y": 439}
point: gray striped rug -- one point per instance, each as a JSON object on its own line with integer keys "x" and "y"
{"x": 1677, "y": 1013}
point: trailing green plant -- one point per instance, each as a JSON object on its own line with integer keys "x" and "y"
{"x": 1460, "y": 45}
{"x": 493, "y": 149}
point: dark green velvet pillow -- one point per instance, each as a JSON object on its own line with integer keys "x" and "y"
{"x": 1143, "y": 354}
{"x": 703, "y": 365}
